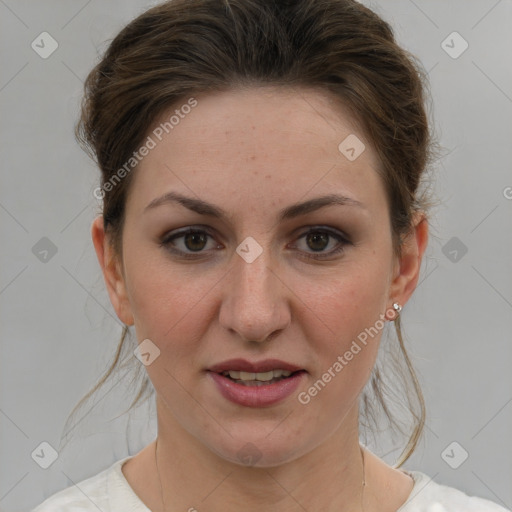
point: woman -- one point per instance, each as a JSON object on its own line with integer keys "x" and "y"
{"x": 263, "y": 221}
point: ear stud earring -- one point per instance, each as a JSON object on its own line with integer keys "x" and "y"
{"x": 397, "y": 307}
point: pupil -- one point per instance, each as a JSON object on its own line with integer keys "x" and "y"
{"x": 195, "y": 237}
{"x": 316, "y": 237}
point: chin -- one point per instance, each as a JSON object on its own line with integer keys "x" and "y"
{"x": 257, "y": 451}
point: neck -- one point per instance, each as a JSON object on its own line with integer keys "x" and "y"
{"x": 192, "y": 476}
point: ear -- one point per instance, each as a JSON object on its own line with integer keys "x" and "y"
{"x": 112, "y": 272}
{"x": 407, "y": 267}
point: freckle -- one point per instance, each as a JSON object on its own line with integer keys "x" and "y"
{"x": 253, "y": 157}
{"x": 268, "y": 176}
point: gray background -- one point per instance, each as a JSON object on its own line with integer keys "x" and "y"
{"x": 58, "y": 330}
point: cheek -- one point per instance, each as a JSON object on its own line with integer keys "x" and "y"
{"x": 167, "y": 311}
{"x": 352, "y": 299}
{"x": 165, "y": 299}
{"x": 349, "y": 312}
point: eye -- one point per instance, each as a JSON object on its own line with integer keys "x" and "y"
{"x": 192, "y": 243}
{"x": 318, "y": 239}
{"x": 192, "y": 239}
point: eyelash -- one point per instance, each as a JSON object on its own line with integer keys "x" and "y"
{"x": 166, "y": 242}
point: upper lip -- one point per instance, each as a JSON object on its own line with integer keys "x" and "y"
{"x": 253, "y": 367}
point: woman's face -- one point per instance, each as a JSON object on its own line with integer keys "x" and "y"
{"x": 253, "y": 284}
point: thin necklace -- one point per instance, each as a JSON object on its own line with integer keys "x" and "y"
{"x": 162, "y": 491}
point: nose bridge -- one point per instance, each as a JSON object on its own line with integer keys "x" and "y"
{"x": 254, "y": 306}
{"x": 253, "y": 275}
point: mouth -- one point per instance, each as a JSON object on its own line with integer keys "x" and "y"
{"x": 256, "y": 384}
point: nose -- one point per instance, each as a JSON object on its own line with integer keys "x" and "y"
{"x": 255, "y": 303}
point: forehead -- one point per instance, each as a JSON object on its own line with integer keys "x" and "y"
{"x": 280, "y": 144}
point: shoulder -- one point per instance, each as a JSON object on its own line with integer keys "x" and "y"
{"x": 429, "y": 496}
{"x": 94, "y": 493}
{"x": 88, "y": 494}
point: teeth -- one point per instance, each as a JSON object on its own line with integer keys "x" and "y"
{"x": 262, "y": 376}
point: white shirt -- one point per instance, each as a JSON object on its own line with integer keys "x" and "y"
{"x": 109, "y": 491}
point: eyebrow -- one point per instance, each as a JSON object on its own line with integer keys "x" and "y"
{"x": 295, "y": 210}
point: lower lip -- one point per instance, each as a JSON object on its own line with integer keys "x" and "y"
{"x": 256, "y": 396}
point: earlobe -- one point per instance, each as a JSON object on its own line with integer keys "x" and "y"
{"x": 112, "y": 272}
{"x": 413, "y": 248}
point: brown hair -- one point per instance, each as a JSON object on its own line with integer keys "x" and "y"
{"x": 185, "y": 47}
